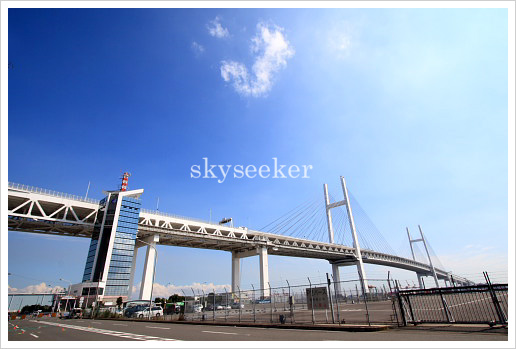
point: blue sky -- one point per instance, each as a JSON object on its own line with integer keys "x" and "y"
{"x": 410, "y": 105}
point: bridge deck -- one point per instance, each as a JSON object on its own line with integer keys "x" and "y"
{"x": 47, "y": 212}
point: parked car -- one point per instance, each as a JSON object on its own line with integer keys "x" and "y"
{"x": 197, "y": 308}
{"x": 75, "y": 313}
{"x": 129, "y": 312}
{"x": 237, "y": 306}
{"x": 156, "y": 311}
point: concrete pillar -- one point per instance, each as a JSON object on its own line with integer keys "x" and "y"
{"x": 235, "y": 272}
{"x": 148, "y": 270}
{"x": 133, "y": 267}
{"x": 264, "y": 271}
{"x": 420, "y": 280}
{"x": 336, "y": 278}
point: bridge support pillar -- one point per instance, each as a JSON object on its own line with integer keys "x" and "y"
{"x": 149, "y": 268}
{"x": 235, "y": 272}
{"x": 264, "y": 271}
{"x": 420, "y": 280}
{"x": 336, "y": 279}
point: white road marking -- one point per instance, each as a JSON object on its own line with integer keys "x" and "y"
{"x": 109, "y": 332}
{"x": 94, "y": 322}
{"x": 33, "y": 335}
{"x": 119, "y": 324}
{"x": 163, "y": 328}
{"x": 219, "y": 332}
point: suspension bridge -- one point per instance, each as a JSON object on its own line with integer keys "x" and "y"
{"x": 337, "y": 231}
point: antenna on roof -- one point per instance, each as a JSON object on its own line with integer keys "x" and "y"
{"x": 125, "y": 180}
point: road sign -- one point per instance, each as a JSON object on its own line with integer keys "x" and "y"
{"x": 319, "y": 296}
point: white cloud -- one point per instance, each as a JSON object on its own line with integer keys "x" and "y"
{"x": 40, "y": 288}
{"x": 272, "y": 50}
{"x": 159, "y": 290}
{"x": 197, "y": 48}
{"x": 216, "y": 29}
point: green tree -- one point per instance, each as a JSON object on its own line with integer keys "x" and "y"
{"x": 35, "y": 307}
{"x": 159, "y": 300}
{"x": 119, "y": 302}
{"x": 176, "y": 298}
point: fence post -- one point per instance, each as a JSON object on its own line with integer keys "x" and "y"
{"x": 499, "y": 312}
{"x": 311, "y": 301}
{"x": 449, "y": 316}
{"x": 336, "y": 299}
{"x": 254, "y": 305}
{"x": 239, "y": 305}
{"x": 402, "y": 310}
{"x": 358, "y": 298}
{"x": 410, "y": 308}
{"x": 204, "y": 304}
{"x": 330, "y": 298}
{"x": 271, "y": 298}
{"x": 291, "y": 304}
{"x": 226, "y": 306}
{"x": 365, "y": 302}
{"x": 214, "y": 304}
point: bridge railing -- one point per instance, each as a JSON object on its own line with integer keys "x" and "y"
{"x": 159, "y": 213}
{"x": 32, "y": 189}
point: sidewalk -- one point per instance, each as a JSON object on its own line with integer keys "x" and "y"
{"x": 326, "y": 327}
{"x": 335, "y": 327}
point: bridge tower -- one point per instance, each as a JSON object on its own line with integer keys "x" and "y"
{"x": 359, "y": 263}
{"x": 432, "y": 269}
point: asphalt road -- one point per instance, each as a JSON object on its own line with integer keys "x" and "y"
{"x": 50, "y": 329}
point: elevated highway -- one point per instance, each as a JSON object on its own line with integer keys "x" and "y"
{"x": 42, "y": 211}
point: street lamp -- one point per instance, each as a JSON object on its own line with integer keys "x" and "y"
{"x": 153, "y": 273}
{"x": 12, "y": 297}
{"x": 68, "y": 292}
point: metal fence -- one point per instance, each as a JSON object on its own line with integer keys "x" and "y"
{"x": 37, "y": 190}
{"x": 329, "y": 302}
{"x": 479, "y": 304}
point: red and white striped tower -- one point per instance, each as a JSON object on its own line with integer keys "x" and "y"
{"x": 125, "y": 180}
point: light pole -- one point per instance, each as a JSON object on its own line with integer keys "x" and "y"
{"x": 12, "y": 297}
{"x": 68, "y": 292}
{"x": 153, "y": 273}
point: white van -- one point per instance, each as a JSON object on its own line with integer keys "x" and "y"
{"x": 156, "y": 311}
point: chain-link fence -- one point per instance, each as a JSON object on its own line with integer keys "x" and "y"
{"x": 485, "y": 303}
{"x": 343, "y": 302}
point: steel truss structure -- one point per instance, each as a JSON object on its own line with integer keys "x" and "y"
{"x": 42, "y": 211}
